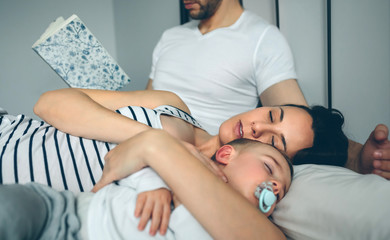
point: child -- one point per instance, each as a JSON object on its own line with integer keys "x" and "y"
{"x": 246, "y": 164}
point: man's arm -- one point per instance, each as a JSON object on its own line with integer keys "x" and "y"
{"x": 149, "y": 86}
{"x": 285, "y": 92}
{"x": 227, "y": 214}
{"x": 354, "y": 150}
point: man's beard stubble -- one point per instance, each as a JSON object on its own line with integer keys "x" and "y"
{"x": 206, "y": 11}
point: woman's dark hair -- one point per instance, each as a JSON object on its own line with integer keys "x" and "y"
{"x": 330, "y": 145}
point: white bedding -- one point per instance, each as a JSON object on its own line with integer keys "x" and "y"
{"x": 326, "y": 202}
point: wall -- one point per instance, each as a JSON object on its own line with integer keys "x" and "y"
{"x": 303, "y": 24}
{"x": 24, "y": 76}
{"x": 135, "y": 41}
{"x": 264, "y": 8}
{"x": 361, "y": 63}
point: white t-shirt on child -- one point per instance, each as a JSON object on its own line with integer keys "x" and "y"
{"x": 111, "y": 212}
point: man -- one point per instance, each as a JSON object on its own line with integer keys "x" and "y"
{"x": 224, "y": 63}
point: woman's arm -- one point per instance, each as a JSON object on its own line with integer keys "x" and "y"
{"x": 90, "y": 113}
{"x": 223, "y": 212}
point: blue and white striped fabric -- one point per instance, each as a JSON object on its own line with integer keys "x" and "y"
{"x": 34, "y": 151}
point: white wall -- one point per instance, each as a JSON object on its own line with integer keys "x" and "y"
{"x": 361, "y": 63}
{"x": 24, "y": 76}
{"x": 303, "y": 24}
{"x": 264, "y": 8}
{"x": 136, "y": 41}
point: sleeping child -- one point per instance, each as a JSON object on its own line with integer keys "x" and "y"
{"x": 258, "y": 171}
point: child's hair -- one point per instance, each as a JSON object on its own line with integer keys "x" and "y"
{"x": 241, "y": 144}
{"x": 330, "y": 145}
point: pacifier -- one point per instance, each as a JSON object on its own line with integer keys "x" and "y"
{"x": 266, "y": 196}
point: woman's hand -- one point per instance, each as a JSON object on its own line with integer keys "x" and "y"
{"x": 123, "y": 160}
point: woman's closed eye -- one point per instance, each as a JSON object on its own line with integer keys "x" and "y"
{"x": 270, "y": 116}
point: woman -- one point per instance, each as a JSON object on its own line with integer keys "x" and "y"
{"x": 290, "y": 128}
{"x": 38, "y": 152}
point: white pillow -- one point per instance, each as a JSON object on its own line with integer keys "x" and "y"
{"x": 326, "y": 202}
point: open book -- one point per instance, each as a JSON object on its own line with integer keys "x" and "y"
{"x": 78, "y": 57}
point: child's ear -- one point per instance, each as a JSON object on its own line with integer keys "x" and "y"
{"x": 224, "y": 154}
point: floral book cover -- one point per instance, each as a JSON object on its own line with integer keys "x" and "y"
{"x": 78, "y": 57}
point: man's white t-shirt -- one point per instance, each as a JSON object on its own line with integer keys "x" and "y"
{"x": 221, "y": 73}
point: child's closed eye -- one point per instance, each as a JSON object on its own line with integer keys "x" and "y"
{"x": 268, "y": 167}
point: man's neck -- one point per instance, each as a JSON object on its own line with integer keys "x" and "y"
{"x": 226, "y": 15}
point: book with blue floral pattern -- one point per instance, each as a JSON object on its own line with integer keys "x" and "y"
{"x": 75, "y": 54}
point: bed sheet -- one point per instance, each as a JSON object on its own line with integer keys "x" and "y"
{"x": 327, "y": 202}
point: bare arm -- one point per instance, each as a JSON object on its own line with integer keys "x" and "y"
{"x": 149, "y": 86}
{"x": 90, "y": 113}
{"x": 284, "y": 92}
{"x": 223, "y": 212}
{"x": 354, "y": 150}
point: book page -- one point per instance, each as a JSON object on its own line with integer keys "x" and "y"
{"x": 55, "y": 26}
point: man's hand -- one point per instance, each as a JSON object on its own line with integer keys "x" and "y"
{"x": 154, "y": 205}
{"x": 375, "y": 155}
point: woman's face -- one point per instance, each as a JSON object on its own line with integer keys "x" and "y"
{"x": 287, "y": 128}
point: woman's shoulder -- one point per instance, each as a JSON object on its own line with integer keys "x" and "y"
{"x": 178, "y": 113}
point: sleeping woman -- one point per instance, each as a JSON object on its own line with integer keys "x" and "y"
{"x": 85, "y": 124}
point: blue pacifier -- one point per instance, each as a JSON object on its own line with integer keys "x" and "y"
{"x": 266, "y": 196}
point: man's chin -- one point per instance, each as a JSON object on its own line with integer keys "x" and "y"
{"x": 196, "y": 14}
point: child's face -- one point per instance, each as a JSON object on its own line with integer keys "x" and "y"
{"x": 248, "y": 168}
